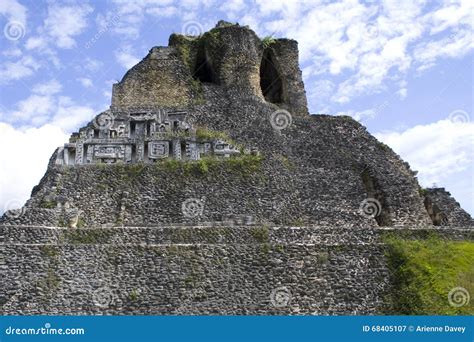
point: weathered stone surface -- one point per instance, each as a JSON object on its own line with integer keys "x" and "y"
{"x": 130, "y": 218}
{"x": 196, "y": 270}
{"x": 444, "y": 210}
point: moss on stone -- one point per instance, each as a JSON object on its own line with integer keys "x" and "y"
{"x": 268, "y": 41}
{"x": 48, "y": 204}
{"x": 133, "y": 295}
{"x": 87, "y": 236}
{"x": 261, "y": 234}
{"x": 205, "y": 134}
{"x": 49, "y": 251}
{"x": 323, "y": 257}
{"x": 49, "y": 284}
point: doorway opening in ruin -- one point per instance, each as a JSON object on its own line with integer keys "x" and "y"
{"x": 145, "y": 151}
{"x": 374, "y": 192}
{"x": 134, "y": 153}
{"x": 96, "y": 133}
{"x": 438, "y": 217}
{"x": 71, "y": 155}
{"x": 270, "y": 80}
{"x": 132, "y": 129}
{"x": 203, "y": 70}
{"x": 148, "y": 128}
{"x": 183, "y": 149}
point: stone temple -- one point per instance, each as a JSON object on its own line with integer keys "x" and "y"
{"x": 208, "y": 188}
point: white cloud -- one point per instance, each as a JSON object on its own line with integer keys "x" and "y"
{"x": 30, "y": 150}
{"x": 69, "y": 116}
{"x": 65, "y": 22}
{"x": 45, "y": 105}
{"x": 125, "y": 58}
{"x": 34, "y": 43}
{"x": 455, "y": 46}
{"x": 13, "y": 10}
{"x": 12, "y": 71}
{"x": 164, "y": 12}
{"x": 85, "y": 82}
{"x": 438, "y": 151}
{"x": 365, "y": 44}
{"x": 48, "y": 88}
{"x": 402, "y": 93}
{"x": 14, "y": 52}
{"x": 359, "y": 115}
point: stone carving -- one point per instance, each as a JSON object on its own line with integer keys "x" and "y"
{"x": 140, "y": 136}
{"x": 158, "y": 149}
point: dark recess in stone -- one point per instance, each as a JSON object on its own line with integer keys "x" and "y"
{"x": 270, "y": 80}
{"x": 437, "y": 216}
{"x": 203, "y": 70}
{"x": 373, "y": 190}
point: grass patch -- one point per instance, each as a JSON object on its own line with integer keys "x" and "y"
{"x": 261, "y": 234}
{"x": 49, "y": 251}
{"x": 267, "y": 41}
{"x": 424, "y": 271}
{"x": 87, "y": 236}
{"x": 204, "y": 134}
{"x": 133, "y": 295}
{"x": 47, "y": 204}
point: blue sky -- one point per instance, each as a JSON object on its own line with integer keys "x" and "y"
{"x": 403, "y": 68}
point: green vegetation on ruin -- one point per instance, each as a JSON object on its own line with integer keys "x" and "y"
{"x": 49, "y": 251}
{"x": 134, "y": 294}
{"x": 261, "y": 234}
{"x": 268, "y": 41}
{"x": 47, "y": 204}
{"x": 87, "y": 236}
{"x": 205, "y": 134}
{"x": 423, "y": 273}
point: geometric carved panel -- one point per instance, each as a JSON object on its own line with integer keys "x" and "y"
{"x": 158, "y": 149}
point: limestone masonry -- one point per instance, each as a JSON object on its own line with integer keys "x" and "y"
{"x": 208, "y": 188}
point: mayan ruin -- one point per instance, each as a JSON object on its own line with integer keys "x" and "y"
{"x": 207, "y": 187}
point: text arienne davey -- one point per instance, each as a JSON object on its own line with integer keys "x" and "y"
{"x": 446, "y": 328}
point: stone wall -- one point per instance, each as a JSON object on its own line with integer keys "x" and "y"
{"x": 307, "y": 174}
{"x": 196, "y": 270}
{"x": 444, "y": 210}
{"x": 160, "y": 79}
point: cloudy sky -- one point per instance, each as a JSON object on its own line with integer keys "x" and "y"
{"x": 403, "y": 68}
